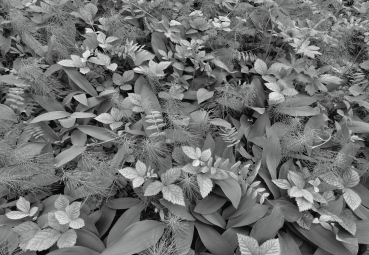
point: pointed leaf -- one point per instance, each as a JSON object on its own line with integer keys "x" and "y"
{"x": 212, "y": 240}
{"x": 203, "y": 95}
{"x": 154, "y": 188}
{"x": 136, "y": 238}
{"x": 129, "y": 217}
{"x": 352, "y": 199}
{"x": 232, "y": 190}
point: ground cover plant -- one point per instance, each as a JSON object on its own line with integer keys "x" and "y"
{"x": 180, "y": 127}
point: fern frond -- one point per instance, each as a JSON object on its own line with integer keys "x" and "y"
{"x": 230, "y": 136}
{"x": 155, "y": 119}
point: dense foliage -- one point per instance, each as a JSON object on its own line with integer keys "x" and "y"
{"x": 179, "y": 127}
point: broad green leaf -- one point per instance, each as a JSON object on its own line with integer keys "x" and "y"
{"x": 181, "y": 211}
{"x": 136, "y": 238}
{"x": 212, "y": 240}
{"x": 75, "y": 250}
{"x": 210, "y": 204}
{"x": 245, "y": 204}
{"x": 250, "y": 246}
{"x": 129, "y": 217}
{"x": 216, "y": 219}
{"x": 67, "y": 239}
{"x": 232, "y": 190}
{"x": 358, "y": 126}
{"x": 87, "y": 239}
{"x": 51, "y": 116}
{"x": 268, "y": 227}
{"x": 322, "y": 238}
{"x": 80, "y": 80}
{"x": 157, "y": 44}
{"x": 98, "y": 132}
{"x": 203, "y": 95}
{"x": 122, "y": 203}
{"x": 78, "y": 138}
{"x": 363, "y": 192}
{"x": 250, "y": 216}
{"x": 68, "y": 155}
{"x": 288, "y": 244}
{"x": 7, "y": 113}
{"x": 362, "y": 232}
{"x": 231, "y": 235}
{"x": 300, "y": 111}
{"x": 105, "y": 221}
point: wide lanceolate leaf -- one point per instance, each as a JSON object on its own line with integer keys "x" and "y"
{"x": 352, "y": 199}
{"x": 205, "y": 184}
{"x": 43, "y": 239}
{"x": 67, "y": 239}
{"x": 136, "y": 238}
{"x": 174, "y": 194}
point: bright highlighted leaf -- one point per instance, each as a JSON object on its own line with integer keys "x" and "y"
{"x": 203, "y": 95}
{"x": 67, "y": 239}
{"x": 249, "y": 246}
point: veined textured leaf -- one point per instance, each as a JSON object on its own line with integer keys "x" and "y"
{"x": 174, "y": 194}
{"x": 43, "y": 239}
{"x": 129, "y": 173}
{"x": 282, "y": 183}
{"x": 205, "y": 184}
{"x": 154, "y": 188}
{"x": 260, "y": 67}
{"x": 303, "y": 204}
{"x": 348, "y": 221}
{"x": 350, "y": 178}
{"x": 276, "y": 98}
{"x": 105, "y": 118}
{"x": 61, "y": 202}
{"x": 23, "y": 205}
{"x": 16, "y": 215}
{"x": 67, "y": 239}
{"x": 352, "y": 199}
{"x": 249, "y": 246}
